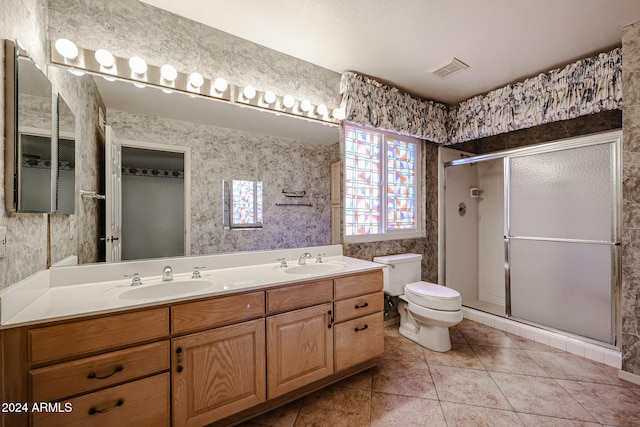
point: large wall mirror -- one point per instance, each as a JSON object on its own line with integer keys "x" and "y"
{"x": 227, "y": 142}
{"x": 32, "y": 151}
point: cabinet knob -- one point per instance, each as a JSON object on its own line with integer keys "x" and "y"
{"x": 179, "y": 353}
{"x": 248, "y": 305}
{"x": 366, "y": 304}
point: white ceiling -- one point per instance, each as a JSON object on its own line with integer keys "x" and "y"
{"x": 399, "y": 41}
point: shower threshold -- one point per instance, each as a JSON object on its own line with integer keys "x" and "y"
{"x": 485, "y": 306}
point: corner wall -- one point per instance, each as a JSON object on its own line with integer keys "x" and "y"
{"x": 631, "y": 200}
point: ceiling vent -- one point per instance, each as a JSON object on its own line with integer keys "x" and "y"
{"x": 454, "y": 66}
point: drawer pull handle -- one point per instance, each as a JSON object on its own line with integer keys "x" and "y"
{"x": 179, "y": 353}
{"x": 366, "y": 304}
{"x": 93, "y": 375}
{"x": 330, "y": 313}
{"x": 93, "y": 410}
{"x": 362, "y": 329}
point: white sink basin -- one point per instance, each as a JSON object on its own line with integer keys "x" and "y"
{"x": 166, "y": 289}
{"x": 316, "y": 268}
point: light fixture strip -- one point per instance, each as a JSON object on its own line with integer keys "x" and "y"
{"x": 86, "y": 61}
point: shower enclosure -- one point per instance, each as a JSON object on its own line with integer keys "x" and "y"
{"x": 533, "y": 233}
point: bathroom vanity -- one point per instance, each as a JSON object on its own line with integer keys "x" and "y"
{"x": 219, "y": 356}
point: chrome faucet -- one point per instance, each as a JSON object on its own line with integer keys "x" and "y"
{"x": 135, "y": 279}
{"x": 303, "y": 258}
{"x": 167, "y": 274}
{"x": 319, "y": 258}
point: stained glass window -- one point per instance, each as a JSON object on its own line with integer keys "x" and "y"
{"x": 381, "y": 184}
{"x": 243, "y": 204}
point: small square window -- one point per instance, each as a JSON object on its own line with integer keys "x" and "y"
{"x": 242, "y": 204}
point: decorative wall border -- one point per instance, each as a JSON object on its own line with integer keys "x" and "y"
{"x": 584, "y": 87}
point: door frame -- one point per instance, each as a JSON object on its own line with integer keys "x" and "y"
{"x": 186, "y": 151}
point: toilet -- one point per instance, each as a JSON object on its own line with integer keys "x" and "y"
{"x": 427, "y": 310}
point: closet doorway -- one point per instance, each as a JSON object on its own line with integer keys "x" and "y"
{"x": 154, "y": 200}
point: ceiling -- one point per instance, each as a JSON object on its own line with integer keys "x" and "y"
{"x": 502, "y": 41}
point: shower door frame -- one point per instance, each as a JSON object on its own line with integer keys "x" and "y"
{"x": 611, "y": 137}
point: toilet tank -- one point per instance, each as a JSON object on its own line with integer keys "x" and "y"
{"x": 400, "y": 270}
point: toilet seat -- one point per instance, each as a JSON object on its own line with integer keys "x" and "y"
{"x": 430, "y": 295}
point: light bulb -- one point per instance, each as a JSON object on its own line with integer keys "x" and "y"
{"x": 269, "y": 97}
{"x": 305, "y": 105}
{"x": 249, "y": 92}
{"x": 220, "y": 84}
{"x": 322, "y": 110}
{"x": 138, "y": 65}
{"x": 288, "y": 101}
{"x": 167, "y": 90}
{"x": 140, "y": 85}
{"x": 109, "y": 79}
{"x": 67, "y": 48}
{"x": 105, "y": 58}
{"x": 196, "y": 80}
{"x": 77, "y": 73}
{"x": 338, "y": 113}
{"x": 168, "y": 72}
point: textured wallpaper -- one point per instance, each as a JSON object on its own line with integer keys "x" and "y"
{"x": 219, "y": 154}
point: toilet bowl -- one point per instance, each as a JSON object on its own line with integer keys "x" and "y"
{"x": 427, "y": 310}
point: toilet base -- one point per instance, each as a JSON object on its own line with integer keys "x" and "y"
{"x": 430, "y": 334}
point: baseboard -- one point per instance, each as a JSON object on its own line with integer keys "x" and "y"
{"x": 629, "y": 377}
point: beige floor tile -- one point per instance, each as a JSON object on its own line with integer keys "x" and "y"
{"x": 610, "y": 404}
{"x": 461, "y": 356}
{"x": 403, "y": 378}
{"x": 392, "y": 330}
{"x": 568, "y": 366}
{"x": 527, "y": 344}
{"x": 336, "y": 407}
{"x": 284, "y": 416}
{"x": 401, "y": 348}
{"x": 540, "y": 396}
{"x": 504, "y": 359}
{"x": 469, "y": 386}
{"x": 531, "y": 420}
{"x": 478, "y": 334}
{"x": 456, "y": 336}
{"x": 361, "y": 381}
{"x": 394, "y": 410}
{"x": 459, "y": 415}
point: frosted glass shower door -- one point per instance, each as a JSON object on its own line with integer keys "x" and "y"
{"x": 561, "y": 236}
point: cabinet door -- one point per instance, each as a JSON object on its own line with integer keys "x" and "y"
{"x": 359, "y": 340}
{"x": 300, "y": 348}
{"x": 218, "y": 373}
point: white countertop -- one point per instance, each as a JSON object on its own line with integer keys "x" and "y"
{"x": 75, "y": 300}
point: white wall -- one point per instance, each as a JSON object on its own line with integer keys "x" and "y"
{"x": 460, "y": 236}
{"x": 491, "y": 281}
{"x": 152, "y": 217}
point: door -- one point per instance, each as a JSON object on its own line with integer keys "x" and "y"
{"x": 113, "y": 193}
{"x": 218, "y": 373}
{"x": 299, "y": 349}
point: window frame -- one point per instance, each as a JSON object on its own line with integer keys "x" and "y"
{"x": 386, "y": 234}
{"x": 229, "y": 203}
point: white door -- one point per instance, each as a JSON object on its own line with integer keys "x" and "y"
{"x": 113, "y": 193}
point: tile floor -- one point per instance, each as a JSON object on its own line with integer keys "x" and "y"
{"x": 489, "y": 378}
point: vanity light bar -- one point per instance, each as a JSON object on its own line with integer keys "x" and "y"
{"x": 193, "y": 84}
{"x": 86, "y": 61}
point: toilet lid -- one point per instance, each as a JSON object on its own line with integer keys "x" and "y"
{"x": 433, "y": 296}
{"x": 432, "y": 290}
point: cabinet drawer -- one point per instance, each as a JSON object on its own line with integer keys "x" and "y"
{"x": 358, "y": 306}
{"x": 204, "y": 314}
{"x": 351, "y": 286}
{"x": 84, "y": 375}
{"x": 78, "y": 338}
{"x": 359, "y": 340}
{"x": 299, "y": 296}
{"x": 138, "y": 403}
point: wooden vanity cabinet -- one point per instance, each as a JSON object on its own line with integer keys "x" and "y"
{"x": 359, "y": 319}
{"x": 99, "y": 371}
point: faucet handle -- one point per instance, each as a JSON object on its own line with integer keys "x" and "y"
{"x": 196, "y": 272}
{"x": 135, "y": 281}
{"x": 319, "y": 258}
{"x": 283, "y": 262}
